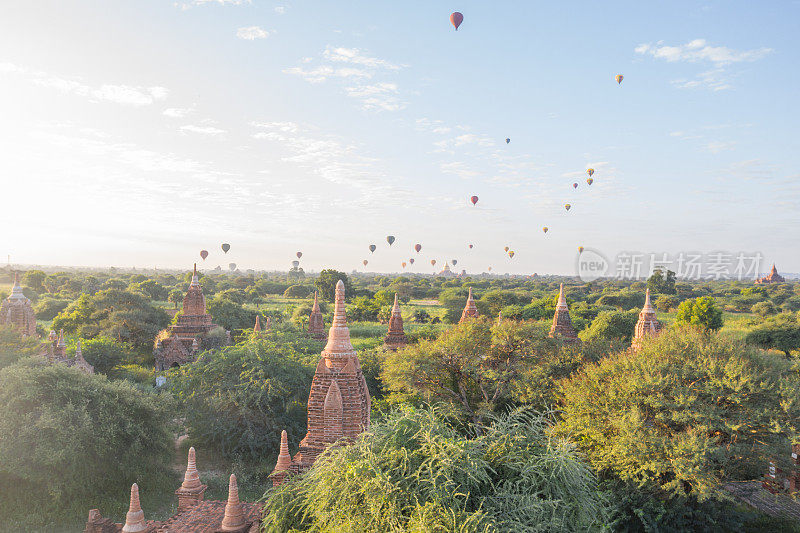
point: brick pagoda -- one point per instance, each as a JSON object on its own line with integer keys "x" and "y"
{"x": 17, "y": 311}
{"x": 194, "y": 515}
{"x": 180, "y": 342}
{"x": 470, "y": 310}
{"x": 396, "y": 337}
{"x": 338, "y": 404}
{"x": 772, "y": 277}
{"x": 316, "y": 326}
{"x": 562, "y": 324}
{"x": 647, "y": 324}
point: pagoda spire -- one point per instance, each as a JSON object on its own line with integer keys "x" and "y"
{"x": 395, "y": 337}
{"x": 257, "y": 327}
{"x": 16, "y": 289}
{"x": 234, "y": 517}
{"x": 134, "y": 520}
{"x": 191, "y": 491}
{"x": 339, "y": 346}
{"x": 647, "y": 325}
{"x": 191, "y": 479}
{"x": 195, "y": 279}
{"x": 316, "y": 325}
{"x": 470, "y": 309}
{"x": 284, "y": 461}
{"x": 562, "y": 323}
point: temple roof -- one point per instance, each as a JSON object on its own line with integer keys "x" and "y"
{"x": 194, "y": 303}
{"x": 16, "y": 290}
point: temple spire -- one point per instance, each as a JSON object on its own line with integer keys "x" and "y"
{"x": 470, "y": 309}
{"x": 316, "y": 325}
{"x": 257, "y": 327}
{"x": 134, "y": 520}
{"x": 647, "y": 325}
{"x": 195, "y": 279}
{"x": 562, "y": 323}
{"x": 191, "y": 479}
{"x": 339, "y": 345}
{"x": 395, "y": 337}
{"x": 16, "y": 289}
{"x": 234, "y": 518}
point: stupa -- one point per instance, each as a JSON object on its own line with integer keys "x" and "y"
{"x": 17, "y": 311}
{"x": 562, "y": 324}
{"x": 647, "y": 324}
{"x": 179, "y": 344}
{"x": 316, "y": 326}
{"x": 396, "y": 337}
{"x": 338, "y": 404}
{"x": 772, "y": 277}
{"x": 470, "y": 310}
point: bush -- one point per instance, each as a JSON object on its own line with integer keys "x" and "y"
{"x": 612, "y": 326}
{"x": 414, "y": 472}
{"x": 764, "y": 308}
{"x": 47, "y": 307}
{"x": 13, "y": 346}
{"x": 103, "y": 353}
{"x": 298, "y": 291}
{"x": 700, "y": 312}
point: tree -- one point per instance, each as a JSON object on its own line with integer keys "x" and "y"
{"x": 69, "y": 436}
{"x": 659, "y": 282}
{"x": 685, "y": 413}
{"x": 297, "y": 291}
{"x": 239, "y": 399}
{"x": 612, "y": 325}
{"x": 229, "y": 314}
{"x": 702, "y": 312}
{"x": 152, "y": 289}
{"x": 415, "y": 472}
{"x": 13, "y": 346}
{"x": 35, "y": 280}
{"x": 779, "y": 333}
{"x": 47, "y": 308}
{"x": 176, "y": 297}
{"x": 764, "y": 308}
{"x": 121, "y": 315}
{"x": 104, "y": 353}
{"x": 665, "y": 302}
{"x": 326, "y": 284}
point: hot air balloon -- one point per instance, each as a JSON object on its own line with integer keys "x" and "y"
{"x": 589, "y": 181}
{"x": 490, "y": 269}
{"x": 365, "y": 262}
{"x": 580, "y": 249}
{"x": 204, "y": 254}
{"x": 456, "y": 19}
{"x": 403, "y": 264}
{"x": 454, "y": 261}
{"x": 299, "y": 254}
{"x": 390, "y": 239}
{"x": 411, "y": 260}
{"x": 473, "y": 199}
{"x": 226, "y": 247}
{"x": 232, "y": 266}
{"x": 590, "y": 171}
{"x": 618, "y": 77}
{"x": 567, "y": 206}
{"x": 470, "y": 246}
{"x": 505, "y": 249}
{"x": 544, "y": 229}
{"x": 372, "y": 248}
{"x": 433, "y": 262}
{"x": 511, "y": 254}
{"x": 508, "y": 140}
{"x": 418, "y": 247}
{"x": 575, "y": 185}
{"x": 295, "y": 263}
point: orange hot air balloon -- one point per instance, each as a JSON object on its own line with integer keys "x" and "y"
{"x": 619, "y": 78}
{"x": 474, "y": 200}
{"x": 580, "y": 249}
{"x": 403, "y": 264}
{"x": 372, "y": 248}
{"x": 418, "y": 247}
{"x": 511, "y": 254}
{"x": 490, "y": 269}
{"x": 226, "y": 247}
{"x": 456, "y": 19}
{"x": 299, "y": 254}
{"x": 365, "y": 262}
{"x": 544, "y": 229}
{"x": 433, "y": 262}
{"x": 505, "y": 248}
{"x": 411, "y": 260}
{"x": 567, "y": 206}
{"x": 575, "y": 185}
{"x": 204, "y": 254}
{"x": 589, "y": 181}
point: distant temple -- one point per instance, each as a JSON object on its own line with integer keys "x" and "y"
{"x": 17, "y": 311}
{"x": 562, "y": 324}
{"x": 338, "y": 404}
{"x": 396, "y": 337}
{"x": 470, "y": 310}
{"x": 55, "y": 351}
{"x": 446, "y": 272}
{"x": 258, "y": 330}
{"x": 194, "y": 515}
{"x": 772, "y": 277}
{"x": 316, "y": 326}
{"x": 647, "y": 324}
{"x": 180, "y": 342}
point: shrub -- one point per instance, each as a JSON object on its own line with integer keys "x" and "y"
{"x": 701, "y": 312}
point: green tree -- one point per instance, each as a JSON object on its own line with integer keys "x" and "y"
{"x": 764, "y": 309}
{"x": 665, "y": 302}
{"x": 35, "y": 280}
{"x": 662, "y": 283}
{"x": 69, "y": 437}
{"x": 685, "y": 413}
{"x": 238, "y": 400}
{"x": 13, "y": 346}
{"x": 611, "y": 326}
{"x": 779, "y": 333}
{"x": 104, "y": 353}
{"x": 152, "y": 289}
{"x": 176, "y": 297}
{"x": 47, "y": 308}
{"x": 702, "y": 312}
{"x": 231, "y": 315}
{"x": 415, "y": 472}
{"x": 298, "y": 291}
{"x": 326, "y": 284}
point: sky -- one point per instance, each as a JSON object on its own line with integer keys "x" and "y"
{"x": 139, "y": 133}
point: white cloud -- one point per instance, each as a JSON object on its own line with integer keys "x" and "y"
{"x": 716, "y": 147}
{"x": 177, "y": 112}
{"x": 120, "y": 94}
{"x": 377, "y": 96}
{"x": 322, "y": 73}
{"x": 202, "y": 130}
{"x": 280, "y": 9}
{"x": 251, "y": 33}
{"x": 715, "y": 80}
{"x": 354, "y": 56}
{"x": 698, "y": 50}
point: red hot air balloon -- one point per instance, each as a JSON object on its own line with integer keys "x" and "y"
{"x": 470, "y": 246}
{"x": 456, "y": 19}
{"x": 365, "y": 262}
{"x": 474, "y": 200}
{"x": 204, "y": 254}
{"x": 418, "y": 247}
{"x": 575, "y": 185}
{"x": 299, "y": 254}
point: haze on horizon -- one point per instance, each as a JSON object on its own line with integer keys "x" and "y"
{"x": 141, "y": 133}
